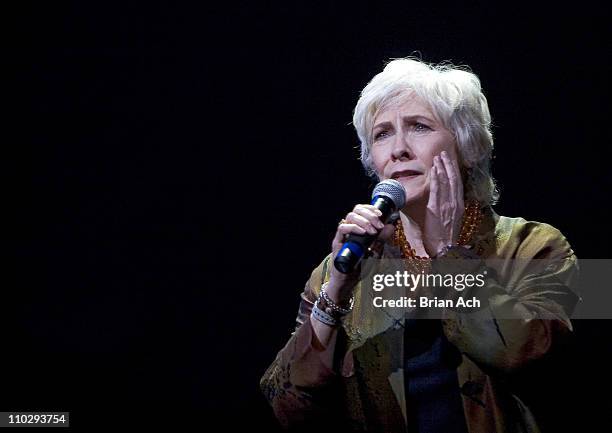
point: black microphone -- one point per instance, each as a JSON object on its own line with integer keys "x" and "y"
{"x": 388, "y": 197}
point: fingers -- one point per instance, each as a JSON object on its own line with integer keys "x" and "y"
{"x": 449, "y": 174}
{"x": 344, "y": 230}
{"x": 366, "y": 217}
{"x": 460, "y": 197}
{"x": 434, "y": 189}
{"x": 348, "y": 228}
{"x": 363, "y": 219}
{"x": 446, "y": 183}
{"x": 444, "y": 187}
{"x": 451, "y": 169}
{"x": 446, "y": 196}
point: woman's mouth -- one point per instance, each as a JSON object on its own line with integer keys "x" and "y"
{"x": 405, "y": 174}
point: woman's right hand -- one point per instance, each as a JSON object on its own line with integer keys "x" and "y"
{"x": 363, "y": 219}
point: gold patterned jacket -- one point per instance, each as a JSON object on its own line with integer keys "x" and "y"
{"x": 528, "y": 315}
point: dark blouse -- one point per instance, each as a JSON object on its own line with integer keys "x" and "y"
{"x": 432, "y": 389}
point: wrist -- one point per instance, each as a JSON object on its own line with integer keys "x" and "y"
{"x": 339, "y": 292}
{"x": 327, "y": 310}
{"x": 339, "y": 303}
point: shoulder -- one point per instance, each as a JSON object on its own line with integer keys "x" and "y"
{"x": 520, "y": 238}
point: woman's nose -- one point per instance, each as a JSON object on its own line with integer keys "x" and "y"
{"x": 401, "y": 147}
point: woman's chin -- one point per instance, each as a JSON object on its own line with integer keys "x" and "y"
{"x": 414, "y": 184}
{"x": 414, "y": 198}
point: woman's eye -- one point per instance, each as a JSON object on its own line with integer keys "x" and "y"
{"x": 421, "y": 127}
{"x": 380, "y": 135}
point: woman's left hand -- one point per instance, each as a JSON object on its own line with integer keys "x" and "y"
{"x": 445, "y": 206}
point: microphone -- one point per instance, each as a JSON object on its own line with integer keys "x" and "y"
{"x": 388, "y": 197}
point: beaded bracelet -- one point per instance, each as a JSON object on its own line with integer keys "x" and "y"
{"x": 330, "y": 307}
{"x": 323, "y": 317}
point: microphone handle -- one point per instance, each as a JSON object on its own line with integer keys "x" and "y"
{"x": 356, "y": 245}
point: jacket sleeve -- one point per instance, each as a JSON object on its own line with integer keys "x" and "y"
{"x": 526, "y": 319}
{"x": 299, "y": 385}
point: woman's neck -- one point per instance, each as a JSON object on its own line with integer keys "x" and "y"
{"x": 413, "y": 220}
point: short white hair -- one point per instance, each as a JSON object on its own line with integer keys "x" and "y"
{"x": 455, "y": 97}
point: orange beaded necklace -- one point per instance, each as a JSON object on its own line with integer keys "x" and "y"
{"x": 472, "y": 217}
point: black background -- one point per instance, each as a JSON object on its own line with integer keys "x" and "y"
{"x": 180, "y": 169}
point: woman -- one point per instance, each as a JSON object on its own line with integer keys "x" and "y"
{"x": 352, "y": 367}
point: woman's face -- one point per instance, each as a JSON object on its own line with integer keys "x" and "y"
{"x": 406, "y": 138}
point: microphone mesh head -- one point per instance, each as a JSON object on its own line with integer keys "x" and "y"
{"x": 393, "y": 189}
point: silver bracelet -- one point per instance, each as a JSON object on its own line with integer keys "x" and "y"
{"x": 338, "y": 310}
{"x": 322, "y": 316}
